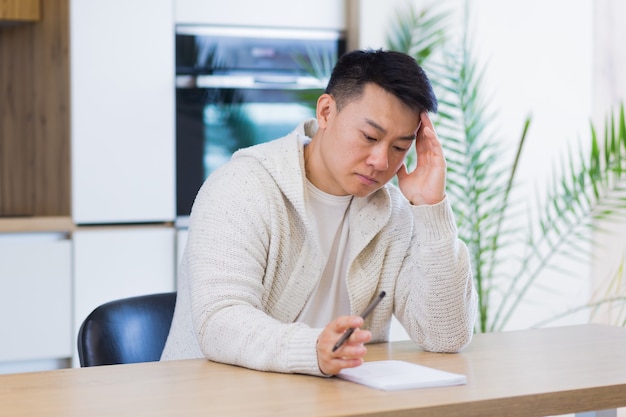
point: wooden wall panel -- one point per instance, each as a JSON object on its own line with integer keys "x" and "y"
{"x": 52, "y": 190}
{"x": 16, "y": 121}
{"x": 34, "y": 115}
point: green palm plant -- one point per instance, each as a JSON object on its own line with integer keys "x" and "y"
{"x": 585, "y": 188}
{"x": 319, "y": 65}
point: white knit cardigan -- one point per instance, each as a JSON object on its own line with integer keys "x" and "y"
{"x": 251, "y": 262}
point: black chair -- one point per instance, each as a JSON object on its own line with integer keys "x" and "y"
{"x": 129, "y": 330}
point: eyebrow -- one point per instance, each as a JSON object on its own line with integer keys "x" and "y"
{"x": 384, "y": 131}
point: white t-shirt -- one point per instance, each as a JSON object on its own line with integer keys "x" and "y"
{"x": 330, "y": 298}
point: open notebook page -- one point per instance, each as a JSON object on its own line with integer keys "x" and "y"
{"x": 397, "y": 375}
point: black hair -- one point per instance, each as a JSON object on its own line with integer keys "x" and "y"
{"x": 395, "y": 72}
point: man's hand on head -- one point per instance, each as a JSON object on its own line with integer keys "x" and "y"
{"x": 426, "y": 184}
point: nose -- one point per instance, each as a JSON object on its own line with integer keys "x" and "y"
{"x": 378, "y": 158}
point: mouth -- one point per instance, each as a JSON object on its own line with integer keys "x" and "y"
{"x": 366, "y": 179}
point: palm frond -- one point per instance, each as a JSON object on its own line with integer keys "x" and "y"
{"x": 580, "y": 194}
{"x": 586, "y": 185}
{"x": 418, "y": 34}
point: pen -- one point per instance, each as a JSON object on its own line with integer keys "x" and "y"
{"x": 367, "y": 311}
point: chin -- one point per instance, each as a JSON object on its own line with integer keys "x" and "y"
{"x": 362, "y": 192}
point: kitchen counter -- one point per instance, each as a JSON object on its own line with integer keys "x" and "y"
{"x": 36, "y": 224}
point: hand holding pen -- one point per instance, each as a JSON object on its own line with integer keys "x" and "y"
{"x": 341, "y": 343}
{"x": 364, "y": 315}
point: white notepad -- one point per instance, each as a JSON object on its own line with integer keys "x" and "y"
{"x": 397, "y": 375}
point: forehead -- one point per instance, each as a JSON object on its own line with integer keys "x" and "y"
{"x": 382, "y": 111}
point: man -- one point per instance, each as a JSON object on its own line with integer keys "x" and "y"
{"x": 293, "y": 238}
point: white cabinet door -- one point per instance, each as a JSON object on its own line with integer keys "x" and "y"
{"x": 35, "y": 297}
{"x": 122, "y": 111}
{"x": 318, "y": 14}
{"x": 120, "y": 262}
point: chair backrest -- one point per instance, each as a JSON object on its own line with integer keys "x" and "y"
{"x": 129, "y": 330}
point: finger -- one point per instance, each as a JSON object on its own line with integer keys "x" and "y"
{"x": 343, "y": 323}
{"x": 336, "y": 365}
{"x": 348, "y": 333}
{"x": 402, "y": 172}
{"x": 350, "y": 355}
{"x": 427, "y": 128}
{"x": 335, "y": 331}
{"x": 427, "y": 134}
{"x": 426, "y": 122}
{"x": 349, "y": 351}
{"x": 359, "y": 338}
{"x": 429, "y": 144}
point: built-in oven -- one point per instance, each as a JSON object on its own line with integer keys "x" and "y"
{"x": 237, "y": 87}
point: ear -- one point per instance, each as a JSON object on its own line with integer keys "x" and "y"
{"x": 325, "y": 107}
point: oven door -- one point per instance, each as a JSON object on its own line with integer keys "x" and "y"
{"x": 217, "y": 115}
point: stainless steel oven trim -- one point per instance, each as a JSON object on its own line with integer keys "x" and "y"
{"x": 260, "y": 82}
{"x": 253, "y": 32}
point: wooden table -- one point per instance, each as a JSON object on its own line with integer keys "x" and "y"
{"x": 521, "y": 373}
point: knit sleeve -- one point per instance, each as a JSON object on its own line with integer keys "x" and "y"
{"x": 227, "y": 256}
{"x": 435, "y": 299}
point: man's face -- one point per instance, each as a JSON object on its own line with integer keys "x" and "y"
{"x": 360, "y": 148}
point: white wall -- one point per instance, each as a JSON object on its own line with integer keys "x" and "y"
{"x": 540, "y": 64}
{"x": 536, "y": 62}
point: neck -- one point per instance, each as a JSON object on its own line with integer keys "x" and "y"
{"x": 309, "y": 159}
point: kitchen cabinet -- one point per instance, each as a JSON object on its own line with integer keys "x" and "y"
{"x": 99, "y": 145}
{"x": 35, "y": 296}
{"x": 94, "y": 148}
{"x": 118, "y": 262}
{"x": 319, "y": 14}
{"x": 34, "y": 119}
{"x": 13, "y": 11}
{"x": 122, "y": 111}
